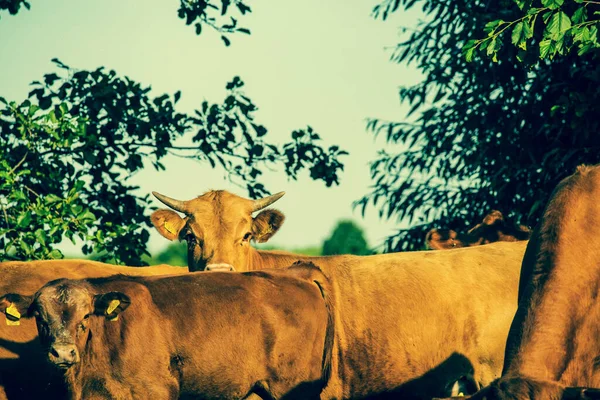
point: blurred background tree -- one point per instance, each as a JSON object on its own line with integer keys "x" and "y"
{"x": 346, "y": 238}
{"x": 174, "y": 254}
{"x": 489, "y": 133}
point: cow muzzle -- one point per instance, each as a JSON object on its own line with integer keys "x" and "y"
{"x": 63, "y": 355}
{"x": 220, "y": 267}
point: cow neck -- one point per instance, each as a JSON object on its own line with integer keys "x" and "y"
{"x": 263, "y": 259}
{"x": 95, "y": 357}
{"x": 561, "y": 283}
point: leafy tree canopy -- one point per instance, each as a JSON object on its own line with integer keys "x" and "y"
{"x": 346, "y": 238}
{"x": 67, "y": 152}
{"x": 544, "y": 29}
{"x": 485, "y": 134}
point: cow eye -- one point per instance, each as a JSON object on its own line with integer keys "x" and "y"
{"x": 86, "y": 316}
{"x": 247, "y": 236}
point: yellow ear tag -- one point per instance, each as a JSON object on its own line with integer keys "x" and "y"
{"x": 170, "y": 228}
{"x": 13, "y": 315}
{"x": 111, "y": 307}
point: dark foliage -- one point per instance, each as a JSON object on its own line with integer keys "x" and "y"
{"x": 480, "y": 135}
{"x": 218, "y": 16}
{"x": 13, "y": 6}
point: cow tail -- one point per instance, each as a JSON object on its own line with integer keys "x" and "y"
{"x": 323, "y": 285}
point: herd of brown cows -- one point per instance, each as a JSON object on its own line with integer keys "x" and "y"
{"x": 414, "y": 325}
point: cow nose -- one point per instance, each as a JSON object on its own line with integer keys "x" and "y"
{"x": 63, "y": 355}
{"x": 220, "y": 267}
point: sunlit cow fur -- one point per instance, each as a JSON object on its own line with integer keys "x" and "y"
{"x": 204, "y": 336}
{"x": 408, "y": 325}
{"x": 553, "y": 346}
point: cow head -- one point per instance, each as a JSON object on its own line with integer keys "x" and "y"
{"x": 218, "y": 227}
{"x": 493, "y": 228}
{"x": 62, "y": 310}
{"x": 442, "y": 239}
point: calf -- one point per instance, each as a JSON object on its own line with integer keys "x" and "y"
{"x": 203, "y": 335}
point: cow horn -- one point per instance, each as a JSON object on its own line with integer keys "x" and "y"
{"x": 266, "y": 201}
{"x": 176, "y": 205}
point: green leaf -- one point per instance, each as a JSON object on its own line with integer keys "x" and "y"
{"x": 25, "y": 247}
{"x": 87, "y": 216}
{"x": 226, "y": 41}
{"x": 517, "y": 33}
{"x": 521, "y": 3}
{"x": 585, "y": 48}
{"x": 520, "y": 33}
{"x": 493, "y": 46}
{"x": 546, "y": 49}
{"x": 594, "y": 34}
{"x": 469, "y": 49}
{"x": 491, "y": 26}
{"x": 40, "y": 236}
{"x": 24, "y": 219}
{"x": 579, "y": 16}
{"x": 55, "y": 254}
{"x": 559, "y": 23}
{"x": 51, "y": 199}
{"x": 552, "y": 4}
{"x": 533, "y": 10}
{"x": 555, "y": 109}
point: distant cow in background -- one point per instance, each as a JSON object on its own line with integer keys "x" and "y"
{"x": 492, "y": 229}
{"x": 204, "y": 335}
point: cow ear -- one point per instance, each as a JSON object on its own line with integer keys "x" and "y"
{"x": 15, "y": 306}
{"x": 168, "y": 223}
{"x": 522, "y": 232}
{"x": 111, "y": 304}
{"x": 437, "y": 239}
{"x": 266, "y": 224}
{"x": 493, "y": 217}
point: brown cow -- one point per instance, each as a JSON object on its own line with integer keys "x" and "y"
{"x": 407, "y": 324}
{"x": 492, "y": 229}
{"x": 204, "y": 335}
{"x": 19, "y": 347}
{"x": 554, "y": 340}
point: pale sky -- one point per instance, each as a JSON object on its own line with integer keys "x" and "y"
{"x": 323, "y": 63}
